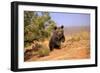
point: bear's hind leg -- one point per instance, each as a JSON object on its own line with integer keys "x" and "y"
{"x": 51, "y": 47}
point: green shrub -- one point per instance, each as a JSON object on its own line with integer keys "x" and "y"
{"x": 37, "y": 26}
{"x": 43, "y": 52}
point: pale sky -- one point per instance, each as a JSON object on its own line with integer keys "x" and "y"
{"x": 71, "y": 19}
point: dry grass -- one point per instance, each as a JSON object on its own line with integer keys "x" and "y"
{"x": 76, "y": 46}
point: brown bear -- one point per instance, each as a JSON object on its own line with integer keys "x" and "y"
{"x": 56, "y": 38}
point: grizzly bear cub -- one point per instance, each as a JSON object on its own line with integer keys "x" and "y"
{"x": 56, "y": 38}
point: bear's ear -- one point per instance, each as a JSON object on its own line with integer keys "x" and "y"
{"x": 62, "y": 27}
{"x": 55, "y": 27}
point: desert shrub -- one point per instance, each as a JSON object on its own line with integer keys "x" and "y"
{"x": 84, "y": 35}
{"x": 43, "y": 52}
{"x": 37, "y": 26}
{"x": 41, "y": 49}
{"x": 27, "y": 44}
{"x": 79, "y": 36}
{"x": 76, "y": 38}
{"x": 38, "y": 45}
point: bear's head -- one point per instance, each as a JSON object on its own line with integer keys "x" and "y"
{"x": 59, "y": 33}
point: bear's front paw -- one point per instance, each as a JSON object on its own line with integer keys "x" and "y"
{"x": 51, "y": 49}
